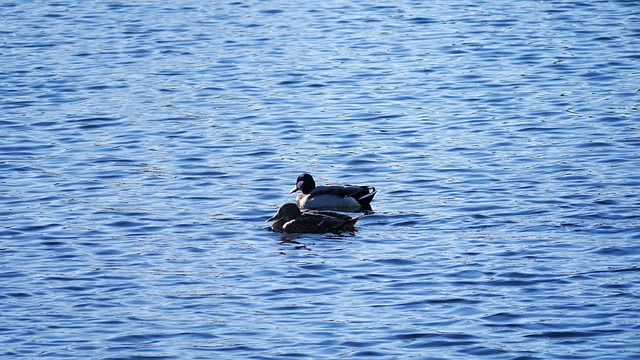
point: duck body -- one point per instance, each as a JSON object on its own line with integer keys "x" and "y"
{"x": 289, "y": 219}
{"x": 345, "y": 197}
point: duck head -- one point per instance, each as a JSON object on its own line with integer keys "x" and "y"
{"x": 286, "y": 212}
{"x": 304, "y": 183}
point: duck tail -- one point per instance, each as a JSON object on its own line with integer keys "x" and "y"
{"x": 350, "y": 224}
{"x": 366, "y": 199}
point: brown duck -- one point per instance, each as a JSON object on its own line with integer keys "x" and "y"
{"x": 291, "y": 220}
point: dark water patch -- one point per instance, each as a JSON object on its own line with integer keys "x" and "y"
{"x": 94, "y": 122}
{"x": 440, "y": 343}
{"x": 503, "y": 318}
{"x": 24, "y": 149}
{"x": 572, "y": 334}
{"x": 397, "y": 262}
{"x": 10, "y": 232}
{"x": 17, "y": 104}
{"x": 37, "y": 228}
{"x": 444, "y": 336}
{"x": 422, "y": 20}
{"x": 12, "y": 274}
{"x": 618, "y": 251}
{"x": 124, "y": 224}
{"x": 272, "y": 11}
{"x": 18, "y": 295}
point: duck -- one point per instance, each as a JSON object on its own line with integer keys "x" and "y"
{"x": 332, "y": 196}
{"x": 290, "y": 219}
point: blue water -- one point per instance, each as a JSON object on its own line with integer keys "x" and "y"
{"x": 144, "y": 143}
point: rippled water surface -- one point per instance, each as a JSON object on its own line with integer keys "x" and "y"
{"x": 144, "y": 143}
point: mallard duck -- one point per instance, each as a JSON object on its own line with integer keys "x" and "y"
{"x": 332, "y": 196}
{"x": 291, "y": 220}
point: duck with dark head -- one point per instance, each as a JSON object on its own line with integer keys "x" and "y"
{"x": 338, "y": 197}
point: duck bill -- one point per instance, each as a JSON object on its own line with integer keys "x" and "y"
{"x": 294, "y": 190}
{"x": 274, "y": 217}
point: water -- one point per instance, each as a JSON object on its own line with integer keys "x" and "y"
{"x": 145, "y": 143}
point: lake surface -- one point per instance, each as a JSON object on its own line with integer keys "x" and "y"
{"x": 144, "y": 143}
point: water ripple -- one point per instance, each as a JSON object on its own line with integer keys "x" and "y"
{"x": 145, "y": 144}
